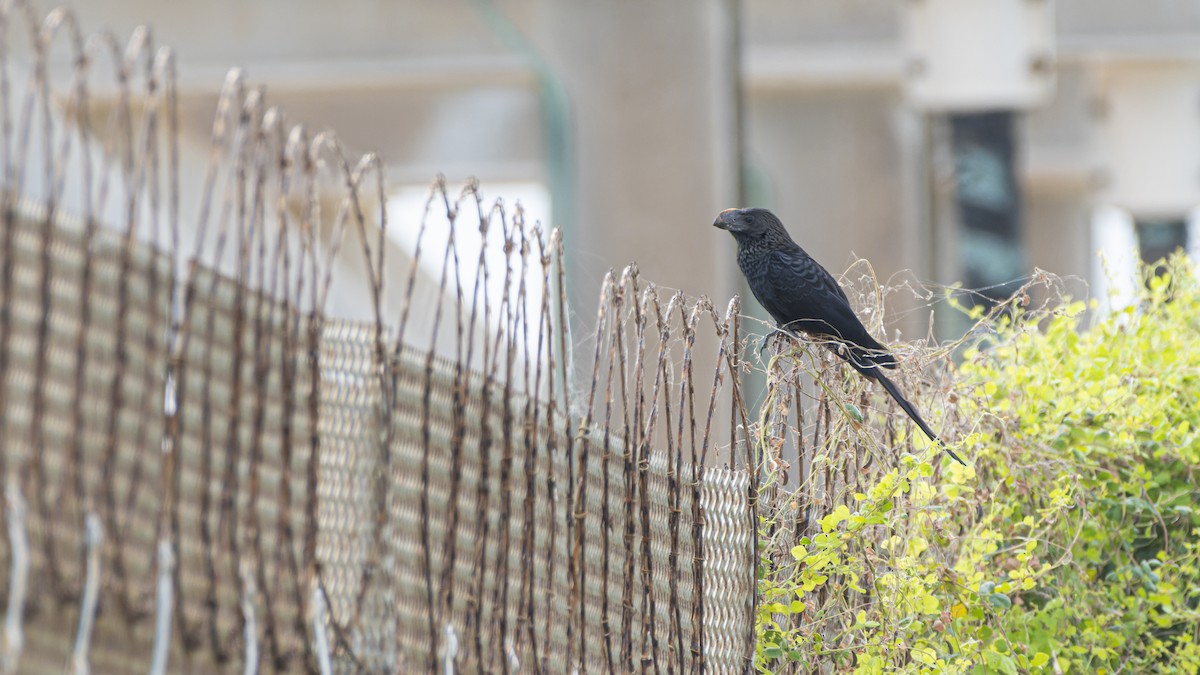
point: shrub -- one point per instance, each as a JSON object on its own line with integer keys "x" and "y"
{"x": 1069, "y": 545}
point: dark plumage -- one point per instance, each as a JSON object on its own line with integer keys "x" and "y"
{"x": 803, "y": 297}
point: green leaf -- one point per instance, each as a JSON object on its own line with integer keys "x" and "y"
{"x": 1000, "y": 662}
{"x": 830, "y": 522}
{"x": 1000, "y": 601}
{"x": 930, "y": 605}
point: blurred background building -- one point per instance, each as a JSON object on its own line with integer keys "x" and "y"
{"x": 943, "y": 140}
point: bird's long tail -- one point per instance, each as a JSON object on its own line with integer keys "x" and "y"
{"x": 909, "y": 408}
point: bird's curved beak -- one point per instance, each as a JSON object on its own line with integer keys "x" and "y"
{"x": 725, "y": 218}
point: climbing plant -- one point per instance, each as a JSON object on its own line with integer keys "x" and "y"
{"x": 1070, "y": 545}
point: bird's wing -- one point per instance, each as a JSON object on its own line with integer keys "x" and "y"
{"x": 809, "y": 273}
{"x": 813, "y": 301}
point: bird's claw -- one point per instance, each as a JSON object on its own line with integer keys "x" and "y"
{"x": 762, "y": 347}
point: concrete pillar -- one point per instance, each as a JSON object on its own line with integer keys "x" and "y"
{"x": 653, "y": 98}
{"x": 653, "y": 118}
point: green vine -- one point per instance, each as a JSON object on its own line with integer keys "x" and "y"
{"x": 1070, "y": 544}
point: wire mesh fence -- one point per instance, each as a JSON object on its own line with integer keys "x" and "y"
{"x": 208, "y": 466}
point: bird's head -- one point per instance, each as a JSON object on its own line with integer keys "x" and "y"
{"x": 750, "y": 223}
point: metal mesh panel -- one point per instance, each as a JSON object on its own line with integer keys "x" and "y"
{"x": 446, "y": 511}
{"x": 84, "y": 341}
{"x": 207, "y": 470}
{"x": 240, "y": 498}
{"x": 498, "y": 569}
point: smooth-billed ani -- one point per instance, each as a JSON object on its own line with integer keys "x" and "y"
{"x": 803, "y": 297}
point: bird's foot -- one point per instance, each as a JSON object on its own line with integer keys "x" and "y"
{"x": 762, "y": 347}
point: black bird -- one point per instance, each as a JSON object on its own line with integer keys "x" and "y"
{"x": 803, "y": 297}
